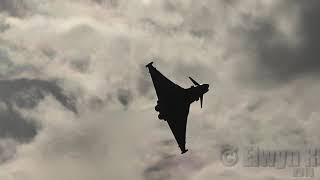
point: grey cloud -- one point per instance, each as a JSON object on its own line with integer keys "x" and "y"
{"x": 3, "y": 24}
{"x": 49, "y": 52}
{"x": 81, "y": 64}
{"x": 14, "y": 7}
{"x": 200, "y": 20}
{"x": 158, "y": 171}
{"x": 169, "y": 167}
{"x": 196, "y": 70}
{"x": 124, "y": 96}
{"x": 107, "y": 3}
{"x": 143, "y": 84}
{"x": 7, "y": 150}
{"x": 157, "y": 27}
{"x": 8, "y": 67}
{"x": 25, "y": 93}
{"x": 279, "y": 60}
{"x": 14, "y": 126}
{"x": 100, "y": 53}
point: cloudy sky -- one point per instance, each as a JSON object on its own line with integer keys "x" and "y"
{"x": 76, "y": 101}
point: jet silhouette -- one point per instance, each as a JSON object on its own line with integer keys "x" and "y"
{"x": 174, "y": 102}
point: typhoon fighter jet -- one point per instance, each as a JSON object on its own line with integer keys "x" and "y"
{"x": 174, "y": 102}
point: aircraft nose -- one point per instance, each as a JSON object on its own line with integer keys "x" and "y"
{"x": 206, "y": 87}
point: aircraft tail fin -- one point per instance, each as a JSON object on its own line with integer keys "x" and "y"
{"x": 194, "y": 82}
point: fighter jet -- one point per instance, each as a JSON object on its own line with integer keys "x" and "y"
{"x": 174, "y": 102}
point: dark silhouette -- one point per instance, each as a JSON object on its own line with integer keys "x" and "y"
{"x": 174, "y": 102}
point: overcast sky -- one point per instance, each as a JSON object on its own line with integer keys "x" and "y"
{"x": 76, "y": 101}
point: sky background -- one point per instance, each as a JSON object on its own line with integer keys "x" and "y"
{"x": 76, "y": 101}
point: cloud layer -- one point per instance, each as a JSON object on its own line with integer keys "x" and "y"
{"x": 78, "y": 103}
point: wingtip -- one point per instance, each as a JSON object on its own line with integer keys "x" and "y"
{"x": 149, "y": 64}
{"x": 184, "y": 151}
